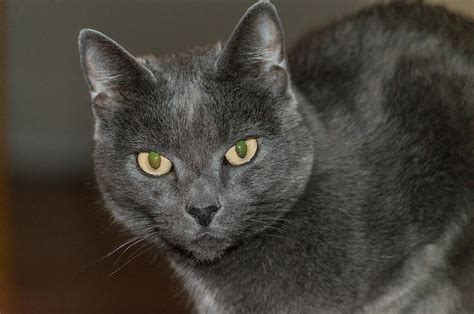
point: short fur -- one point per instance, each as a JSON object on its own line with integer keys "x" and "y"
{"x": 360, "y": 198}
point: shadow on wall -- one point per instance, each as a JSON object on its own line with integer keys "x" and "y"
{"x": 49, "y": 116}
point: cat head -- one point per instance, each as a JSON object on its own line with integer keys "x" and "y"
{"x": 204, "y": 149}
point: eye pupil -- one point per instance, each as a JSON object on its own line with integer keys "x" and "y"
{"x": 154, "y": 159}
{"x": 241, "y": 148}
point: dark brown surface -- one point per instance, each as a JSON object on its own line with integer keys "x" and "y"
{"x": 5, "y": 293}
{"x": 60, "y": 237}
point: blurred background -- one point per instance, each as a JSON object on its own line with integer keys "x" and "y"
{"x": 54, "y": 234}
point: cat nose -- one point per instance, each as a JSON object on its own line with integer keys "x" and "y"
{"x": 204, "y": 215}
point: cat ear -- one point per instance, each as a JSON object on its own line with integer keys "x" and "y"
{"x": 256, "y": 45}
{"x": 110, "y": 71}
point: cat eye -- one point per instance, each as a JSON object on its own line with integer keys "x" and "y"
{"x": 242, "y": 152}
{"x": 154, "y": 163}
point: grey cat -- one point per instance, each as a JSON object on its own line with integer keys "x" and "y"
{"x": 337, "y": 179}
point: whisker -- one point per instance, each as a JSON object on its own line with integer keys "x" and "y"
{"x": 129, "y": 247}
{"x": 122, "y": 245}
{"x": 131, "y": 259}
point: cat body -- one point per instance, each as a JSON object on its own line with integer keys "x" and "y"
{"x": 360, "y": 197}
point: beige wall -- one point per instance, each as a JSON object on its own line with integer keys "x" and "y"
{"x": 462, "y": 6}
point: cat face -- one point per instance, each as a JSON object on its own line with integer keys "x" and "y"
{"x": 224, "y": 124}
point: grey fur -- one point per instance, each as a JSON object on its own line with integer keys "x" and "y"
{"x": 361, "y": 195}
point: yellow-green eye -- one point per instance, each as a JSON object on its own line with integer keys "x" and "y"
{"x": 243, "y": 151}
{"x": 154, "y": 163}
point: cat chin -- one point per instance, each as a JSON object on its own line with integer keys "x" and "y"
{"x": 208, "y": 249}
{"x": 205, "y": 250}
{"x": 206, "y": 256}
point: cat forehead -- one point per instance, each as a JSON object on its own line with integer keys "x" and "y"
{"x": 188, "y": 86}
{"x": 184, "y": 66}
{"x": 182, "y": 74}
{"x": 191, "y": 103}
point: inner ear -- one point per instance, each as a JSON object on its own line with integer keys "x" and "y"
{"x": 109, "y": 69}
{"x": 269, "y": 47}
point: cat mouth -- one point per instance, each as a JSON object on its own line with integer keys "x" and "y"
{"x": 205, "y": 236}
{"x": 204, "y": 248}
{"x": 208, "y": 241}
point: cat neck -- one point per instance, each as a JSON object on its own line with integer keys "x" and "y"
{"x": 306, "y": 244}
